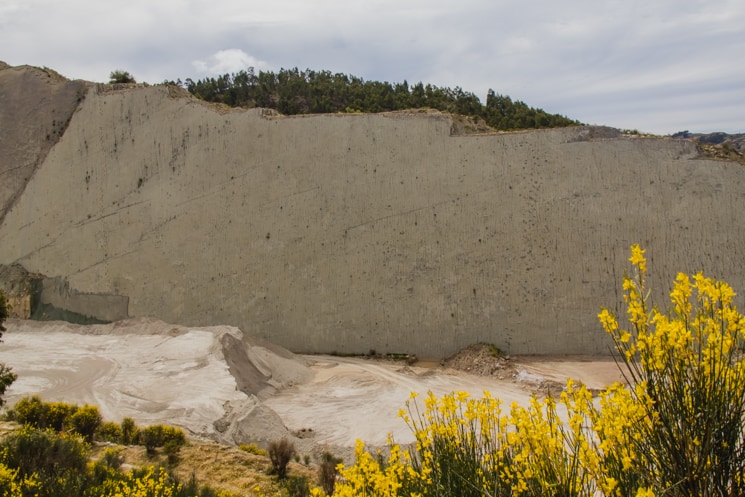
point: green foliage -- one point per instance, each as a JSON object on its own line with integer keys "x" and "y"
{"x": 154, "y": 436}
{"x": 9, "y": 484}
{"x": 4, "y": 312}
{"x": 130, "y": 432}
{"x": 297, "y": 486}
{"x": 86, "y": 420}
{"x": 280, "y": 454}
{"x": 106, "y": 468}
{"x": 291, "y": 91}
{"x": 110, "y": 432}
{"x": 120, "y": 76}
{"x": 42, "y": 462}
{"x": 57, "y": 462}
{"x": 252, "y": 449}
{"x": 7, "y": 376}
{"x": 54, "y": 415}
{"x": 29, "y": 411}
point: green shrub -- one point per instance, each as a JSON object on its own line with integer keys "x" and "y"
{"x": 9, "y": 484}
{"x": 7, "y": 376}
{"x": 32, "y": 411}
{"x": 130, "y": 432}
{"x": 297, "y": 486}
{"x": 29, "y": 411}
{"x": 109, "y": 431}
{"x": 57, "y": 415}
{"x": 252, "y": 449}
{"x": 154, "y": 436}
{"x": 31, "y": 450}
{"x": 4, "y": 312}
{"x": 171, "y": 449}
{"x": 107, "y": 467}
{"x": 86, "y": 420}
{"x": 120, "y": 76}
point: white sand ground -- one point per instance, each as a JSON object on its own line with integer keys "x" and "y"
{"x": 160, "y": 373}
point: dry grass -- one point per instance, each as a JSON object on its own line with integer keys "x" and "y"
{"x": 219, "y": 466}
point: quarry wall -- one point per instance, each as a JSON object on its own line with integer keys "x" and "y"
{"x": 351, "y": 233}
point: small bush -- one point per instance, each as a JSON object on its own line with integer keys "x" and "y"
{"x": 297, "y": 486}
{"x": 280, "y": 454}
{"x": 4, "y": 312}
{"x": 154, "y": 436}
{"x": 252, "y": 449}
{"x": 109, "y": 432}
{"x": 86, "y": 420}
{"x": 130, "y": 432}
{"x": 192, "y": 488}
{"x": 171, "y": 449}
{"x": 57, "y": 415}
{"x": 9, "y": 485}
{"x": 327, "y": 472}
{"x": 120, "y": 76}
{"x": 107, "y": 467}
{"x": 7, "y": 377}
{"x": 30, "y": 451}
{"x": 112, "y": 457}
{"x": 29, "y": 411}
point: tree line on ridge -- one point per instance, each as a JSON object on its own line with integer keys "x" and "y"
{"x": 292, "y": 91}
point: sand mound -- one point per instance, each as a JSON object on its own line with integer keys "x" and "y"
{"x": 206, "y": 380}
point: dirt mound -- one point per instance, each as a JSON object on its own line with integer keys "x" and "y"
{"x": 539, "y": 374}
{"x": 481, "y": 359}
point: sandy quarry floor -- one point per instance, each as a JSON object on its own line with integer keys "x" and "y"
{"x": 352, "y": 398}
{"x": 157, "y": 373}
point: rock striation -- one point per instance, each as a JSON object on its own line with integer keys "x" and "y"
{"x": 351, "y": 233}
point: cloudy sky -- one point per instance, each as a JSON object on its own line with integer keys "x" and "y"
{"x": 659, "y": 66}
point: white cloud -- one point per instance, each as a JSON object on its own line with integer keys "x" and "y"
{"x": 595, "y": 60}
{"x": 228, "y": 61}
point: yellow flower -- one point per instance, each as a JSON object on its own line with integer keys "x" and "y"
{"x": 645, "y": 492}
{"x": 637, "y": 258}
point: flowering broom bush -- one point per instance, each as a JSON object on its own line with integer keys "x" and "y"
{"x": 676, "y": 429}
{"x": 688, "y": 368}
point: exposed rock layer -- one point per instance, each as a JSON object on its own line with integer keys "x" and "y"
{"x": 356, "y": 232}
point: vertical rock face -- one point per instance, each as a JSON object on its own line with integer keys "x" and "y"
{"x": 35, "y": 107}
{"x": 355, "y": 232}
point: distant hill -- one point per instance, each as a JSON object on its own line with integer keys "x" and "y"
{"x": 291, "y": 92}
{"x": 718, "y": 145}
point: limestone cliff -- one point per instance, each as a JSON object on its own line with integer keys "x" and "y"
{"x": 355, "y": 232}
{"x": 35, "y": 108}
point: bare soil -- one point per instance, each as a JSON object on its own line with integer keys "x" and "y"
{"x": 220, "y": 385}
